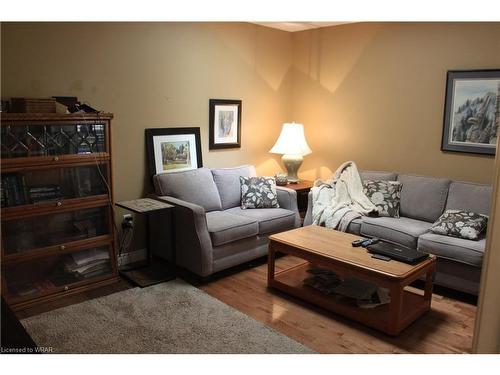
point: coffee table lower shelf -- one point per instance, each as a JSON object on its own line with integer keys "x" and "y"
{"x": 412, "y": 304}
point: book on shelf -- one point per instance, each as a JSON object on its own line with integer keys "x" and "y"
{"x": 44, "y": 193}
{"x": 87, "y": 263}
{"x": 13, "y": 187}
{"x": 16, "y": 192}
{"x": 88, "y": 256}
{"x": 9, "y": 183}
{"x": 2, "y": 193}
{"x": 24, "y": 188}
{"x": 101, "y": 139}
{"x": 97, "y": 271}
{"x": 84, "y": 148}
{"x": 85, "y": 268}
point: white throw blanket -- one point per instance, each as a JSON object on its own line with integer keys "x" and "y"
{"x": 338, "y": 201}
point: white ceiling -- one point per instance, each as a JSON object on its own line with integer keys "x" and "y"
{"x": 297, "y": 26}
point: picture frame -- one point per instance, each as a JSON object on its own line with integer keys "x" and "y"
{"x": 172, "y": 150}
{"x": 471, "y": 111}
{"x": 224, "y": 124}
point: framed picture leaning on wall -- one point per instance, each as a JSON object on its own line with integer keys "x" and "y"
{"x": 173, "y": 149}
{"x": 224, "y": 124}
{"x": 471, "y": 112}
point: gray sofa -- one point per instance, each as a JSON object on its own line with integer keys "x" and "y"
{"x": 423, "y": 200}
{"x": 212, "y": 231}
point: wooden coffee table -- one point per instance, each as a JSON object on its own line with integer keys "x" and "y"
{"x": 332, "y": 249}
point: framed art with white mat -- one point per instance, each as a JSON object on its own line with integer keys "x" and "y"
{"x": 224, "y": 124}
{"x": 173, "y": 149}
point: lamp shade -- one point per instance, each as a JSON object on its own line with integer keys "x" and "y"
{"x": 291, "y": 141}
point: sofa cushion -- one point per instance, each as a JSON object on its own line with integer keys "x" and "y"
{"x": 258, "y": 192}
{"x": 462, "y": 224}
{"x": 270, "y": 219}
{"x": 378, "y": 175}
{"x": 227, "y": 181}
{"x": 457, "y": 249}
{"x": 225, "y": 227}
{"x": 403, "y": 231}
{"x": 354, "y": 226}
{"x": 195, "y": 186}
{"x": 423, "y": 198}
{"x": 385, "y": 195}
{"x": 470, "y": 197}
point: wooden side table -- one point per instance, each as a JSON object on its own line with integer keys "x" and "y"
{"x": 302, "y": 188}
{"x": 160, "y": 265}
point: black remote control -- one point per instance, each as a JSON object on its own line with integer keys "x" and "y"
{"x": 358, "y": 243}
{"x": 370, "y": 241}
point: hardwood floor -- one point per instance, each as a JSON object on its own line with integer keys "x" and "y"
{"x": 447, "y": 328}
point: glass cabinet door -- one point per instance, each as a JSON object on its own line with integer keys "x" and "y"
{"x": 42, "y": 231}
{"x": 41, "y": 139}
{"x": 53, "y": 273}
{"x": 53, "y": 184}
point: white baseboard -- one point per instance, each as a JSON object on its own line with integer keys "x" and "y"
{"x": 132, "y": 257}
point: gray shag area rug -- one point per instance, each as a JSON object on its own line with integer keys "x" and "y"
{"x": 172, "y": 317}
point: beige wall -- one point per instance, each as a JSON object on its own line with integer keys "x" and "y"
{"x": 374, "y": 93}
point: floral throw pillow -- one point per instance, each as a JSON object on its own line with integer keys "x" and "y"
{"x": 258, "y": 192}
{"x": 462, "y": 224}
{"x": 385, "y": 195}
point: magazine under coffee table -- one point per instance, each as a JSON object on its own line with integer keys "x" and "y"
{"x": 331, "y": 249}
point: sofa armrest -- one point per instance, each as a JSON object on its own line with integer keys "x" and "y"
{"x": 287, "y": 199}
{"x": 308, "y": 218}
{"x": 192, "y": 240}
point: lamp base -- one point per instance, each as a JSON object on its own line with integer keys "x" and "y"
{"x": 292, "y": 164}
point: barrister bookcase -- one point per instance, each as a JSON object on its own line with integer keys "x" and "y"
{"x": 57, "y": 234}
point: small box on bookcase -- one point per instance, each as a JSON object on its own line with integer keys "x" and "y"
{"x": 26, "y": 105}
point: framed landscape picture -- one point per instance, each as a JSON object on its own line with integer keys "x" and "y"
{"x": 173, "y": 149}
{"x": 224, "y": 124}
{"x": 472, "y": 113}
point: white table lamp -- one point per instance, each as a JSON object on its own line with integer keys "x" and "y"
{"x": 293, "y": 146}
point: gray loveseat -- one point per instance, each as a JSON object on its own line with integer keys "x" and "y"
{"x": 423, "y": 200}
{"x": 212, "y": 231}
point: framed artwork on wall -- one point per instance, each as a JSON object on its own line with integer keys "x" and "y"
{"x": 472, "y": 111}
{"x": 224, "y": 124}
{"x": 173, "y": 149}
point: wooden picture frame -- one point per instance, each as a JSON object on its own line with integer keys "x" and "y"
{"x": 172, "y": 150}
{"x": 224, "y": 124}
{"x": 471, "y": 112}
